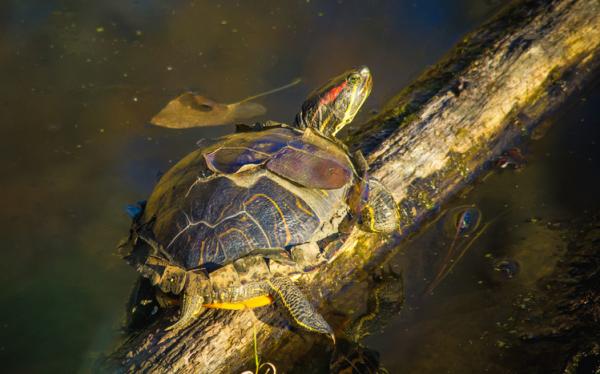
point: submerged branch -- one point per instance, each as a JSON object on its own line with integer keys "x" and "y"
{"x": 431, "y": 140}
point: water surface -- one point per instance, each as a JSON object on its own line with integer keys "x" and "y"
{"x": 81, "y": 80}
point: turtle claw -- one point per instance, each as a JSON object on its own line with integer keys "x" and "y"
{"x": 176, "y": 326}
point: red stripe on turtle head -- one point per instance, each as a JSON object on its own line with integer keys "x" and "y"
{"x": 332, "y": 94}
{"x": 334, "y": 105}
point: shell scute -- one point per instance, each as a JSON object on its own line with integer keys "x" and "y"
{"x": 225, "y": 221}
{"x": 310, "y": 169}
{"x": 239, "y": 153}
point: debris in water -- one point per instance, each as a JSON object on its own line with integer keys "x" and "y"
{"x": 513, "y": 158}
{"x": 506, "y": 268}
{"x": 191, "y": 110}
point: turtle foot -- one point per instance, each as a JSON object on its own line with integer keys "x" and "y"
{"x": 380, "y": 212}
{"x": 301, "y": 310}
{"x": 192, "y": 301}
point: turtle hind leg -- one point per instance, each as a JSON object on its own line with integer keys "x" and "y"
{"x": 302, "y": 312}
{"x": 191, "y": 306}
{"x": 380, "y": 212}
{"x": 176, "y": 280}
{"x": 192, "y": 300}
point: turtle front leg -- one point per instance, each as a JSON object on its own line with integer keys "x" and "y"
{"x": 301, "y": 310}
{"x": 380, "y": 212}
{"x": 371, "y": 202}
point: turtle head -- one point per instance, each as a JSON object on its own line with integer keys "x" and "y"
{"x": 334, "y": 105}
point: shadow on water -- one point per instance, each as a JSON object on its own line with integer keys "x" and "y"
{"x": 81, "y": 80}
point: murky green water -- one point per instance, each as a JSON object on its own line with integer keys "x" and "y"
{"x": 82, "y": 78}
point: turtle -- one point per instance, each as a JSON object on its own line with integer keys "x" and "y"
{"x": 233, "y": 224}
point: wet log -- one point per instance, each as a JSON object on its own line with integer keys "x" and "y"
{"x": 429, "y": 141}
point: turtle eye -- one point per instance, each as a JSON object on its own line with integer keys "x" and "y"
{"x": 353, "y": 78}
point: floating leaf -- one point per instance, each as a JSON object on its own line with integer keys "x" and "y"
{"x": 191, "y": 110}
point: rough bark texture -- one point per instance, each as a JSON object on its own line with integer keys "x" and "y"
{"x": 427, "y": 143}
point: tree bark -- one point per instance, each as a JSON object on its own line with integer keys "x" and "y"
{"x": 429, "y": 141}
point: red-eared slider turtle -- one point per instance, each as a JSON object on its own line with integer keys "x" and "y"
{"x": 230, "y": 225}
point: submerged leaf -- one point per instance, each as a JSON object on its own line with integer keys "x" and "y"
{"x": 191, "y": 110}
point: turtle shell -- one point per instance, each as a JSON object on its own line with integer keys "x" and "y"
{"x": 275, "y": 188}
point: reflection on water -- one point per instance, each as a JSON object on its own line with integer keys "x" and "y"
{"x": 82, "y": 79}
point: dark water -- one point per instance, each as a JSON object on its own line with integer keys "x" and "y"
{"x": 80, "y": 79}
{"x": 474, "y": 320}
